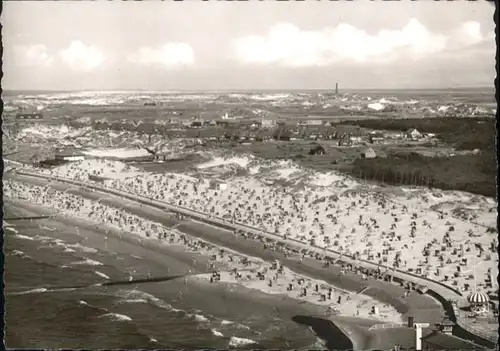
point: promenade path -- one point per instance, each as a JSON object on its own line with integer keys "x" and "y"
{"x": 446, "y": 292}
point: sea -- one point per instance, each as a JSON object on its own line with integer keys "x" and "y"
{"x": 53, "y": 298}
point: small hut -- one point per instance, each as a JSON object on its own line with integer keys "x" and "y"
{"x": 368, "y": 153}
{"x": 478, "y": 300}
{"x": 317, "y": 150}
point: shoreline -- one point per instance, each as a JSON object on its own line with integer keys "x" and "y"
{"x": 324, "y": 332}
{"x": 187, "y": 226}
{"x": 255, "y": 252}
{"x": 150, "y": 244}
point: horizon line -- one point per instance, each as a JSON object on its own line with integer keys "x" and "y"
{"x": 252, "y": 89}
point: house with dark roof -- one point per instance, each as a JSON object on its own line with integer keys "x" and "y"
{"x": 283, "y": 135}
{"x": 318, "y": 150}
{"x": 438, "y": 340}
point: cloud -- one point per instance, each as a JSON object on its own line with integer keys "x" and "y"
{"x": 287, "y": 45}
{"x": 168, "y": 55}
{"x": 32, "y": 56}
{"x": 80, "y": 57}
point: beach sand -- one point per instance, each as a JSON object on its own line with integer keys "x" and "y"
{"x": 257, "y": 274}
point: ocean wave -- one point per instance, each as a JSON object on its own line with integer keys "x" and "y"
{"x": 85, "y": 304}
{"x": 50, "y": 229}
{"x": 61, "y": 290}
{"x": 200, "y": 318}
{"x": 243, "y": 326}
{"x": 82, "y": 248}
{"x": 19, "y": 253}
{"x": 133, "y": 301}
{"x": 140, "y": 295}
{"x": 116, "y": 317}
{"x": 235, "y": 341}
{"x": 24, "y": 237}
{"x": 87, "y": 262}
{"x": 215, "y": 332}
{"x": 32, "y": 291}
{"x": 14, "y": 230}
{"x": 136, "y": 257}
{"x": 102, "y": 275}
{"x": 43, "y": 238}
{"x": 226, "y": 322}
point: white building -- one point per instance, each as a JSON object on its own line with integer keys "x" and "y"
{"x": 69, "y": 155}
{"x": 314, "y": 122}
{"x": 216, "y": 184}
{"x": 268, "y": 123}
{"x": 412, "y": 133}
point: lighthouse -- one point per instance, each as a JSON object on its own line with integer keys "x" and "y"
{"x": 336, "y": 88}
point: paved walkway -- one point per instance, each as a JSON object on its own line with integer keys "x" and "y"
{"x": 444, "y": 291}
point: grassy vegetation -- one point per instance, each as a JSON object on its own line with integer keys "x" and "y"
{"x": 471, "y": 173}
{"x": 462, "y": 133}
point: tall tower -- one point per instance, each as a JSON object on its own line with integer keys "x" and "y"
{"x": 336, "y": 88}
{"x": 418, "y": 334}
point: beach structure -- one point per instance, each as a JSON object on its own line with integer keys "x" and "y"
{"x": 318, "y": 150}
{"x": 376, "y": 138}
{"x": 368, "y": 153}
{"x": 267, "y": 123}
{"x": 217, "y": 184}
{"x": 437, "y": 340}
{"x": 413, "y": 134}
{"x": 68, "y": 154}
{"x": 345, "y": 140}
{"x": 478, "y": 301}
{"x": 314, "y": 122}
{"x": 282, "y": 134}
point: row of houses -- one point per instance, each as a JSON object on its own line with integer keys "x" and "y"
{"x": 264, "y": 123}
{"x": 380, "y": 138}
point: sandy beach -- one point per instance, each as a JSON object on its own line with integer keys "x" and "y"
{"x": 227, "y": 266}
{"x": 430, "y": 233}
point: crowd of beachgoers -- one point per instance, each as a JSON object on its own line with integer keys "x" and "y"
{"x": 401, "y": 232}
{"x": 225, "y": 265}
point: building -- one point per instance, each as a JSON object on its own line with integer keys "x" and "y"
{"x": 283, "y": 135}
{"x": 412, "y": 133}
{"x": 438, "y": 340}
{"x": 318, "y": 150}
{"x": 368, "y": 153}
{"x": 196, "y": 124}
{"x": 267, "y": 123}
{"x": 222, "y": 123}
{"x": 376, "y": 138}
{"x": 314, "y": 122}
{"x": 68, "y": 155}
{"x": 152, "y": 103}
{"x": 217, "y": 184}
{"x": 345, "y": 141}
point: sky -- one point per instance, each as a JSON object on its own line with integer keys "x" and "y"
{"x": 194, "y": 45}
